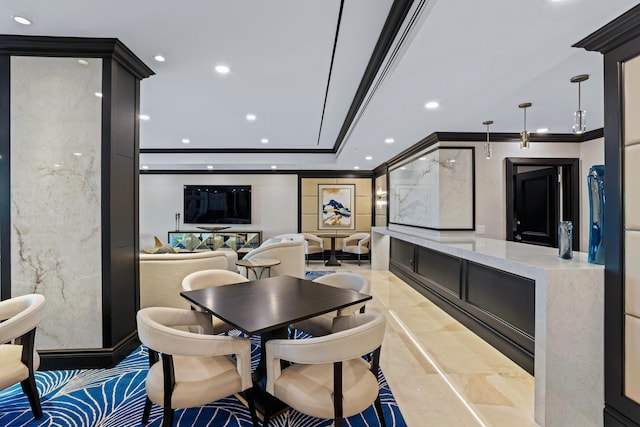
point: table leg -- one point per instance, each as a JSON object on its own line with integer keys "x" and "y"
{"x": 261, "y": 370}
{"x": 333, "y": 261}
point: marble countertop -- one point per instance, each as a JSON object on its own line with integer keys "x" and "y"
{"x": 520, "y": 258}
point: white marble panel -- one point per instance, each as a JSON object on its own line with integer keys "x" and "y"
{"x": 632, "y": 273}
{"x": 456, "y": 188}
{"x": 55, "y": 195}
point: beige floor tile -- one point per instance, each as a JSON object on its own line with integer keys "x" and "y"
{"x": 432, "y": 363}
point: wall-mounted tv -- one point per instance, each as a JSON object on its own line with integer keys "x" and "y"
{"x": 217, "y": 204}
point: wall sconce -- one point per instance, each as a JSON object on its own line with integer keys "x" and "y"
{"x": 381, "y": 198}
{"x": 487, "y": 145}
{"x": 524, "y": 135}
{"x": 579, "y": 123}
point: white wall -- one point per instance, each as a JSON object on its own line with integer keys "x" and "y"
{"x": 491, "y": 180}
{"x": 274, "y": 203}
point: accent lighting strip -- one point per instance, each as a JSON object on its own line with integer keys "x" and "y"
{"x": 433, "y": 364}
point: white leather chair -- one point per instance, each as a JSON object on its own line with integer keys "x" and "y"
{"x": 323, "y": 324}
{"x": 195, "y": 369}
{"x": 19, "y": 318}
{"x": 329, "y": 378}
{"x": 290, "y": 253}
{"x": 313, "y": 245}
{"x": 356, "y": 244}
{"x": 209, "y": 278}
{"x": 282, "y": 238}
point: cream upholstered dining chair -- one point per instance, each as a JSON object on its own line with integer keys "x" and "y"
{"x": 356, "y": 244}
{"x": 313, "y": 245}
{"x": 194, "y": 369}
{"x": 209, "y": 278}
{"x": 329, "y": 377}
{"x": 323, "y": 324}
{"x": 19, "y": 318}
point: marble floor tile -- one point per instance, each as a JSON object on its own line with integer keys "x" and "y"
{"x": 442, "y": 374}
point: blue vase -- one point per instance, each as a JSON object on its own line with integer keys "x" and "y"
{"x": 595, "y": 185}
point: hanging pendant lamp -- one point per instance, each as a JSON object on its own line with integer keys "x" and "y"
{"x": 524, "y": 135}
{"x": 579, "y": 120}
{"x": 487, "y": 145}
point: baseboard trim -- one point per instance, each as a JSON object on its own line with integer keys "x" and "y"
{"x": 88, "y": 358}
{"x": 613, "y": 418}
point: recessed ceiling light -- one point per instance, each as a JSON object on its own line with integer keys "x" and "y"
{"x": 145, "y": 167}
{"x": 422, "y": 158}
{"x": 98, "y": 94}
{"x": 264, "y": 140}
{"x": 356, "y": 167}
{"x": 186, "y": 140}
{"x": 251, "y": 117}
{"x": 222, "y": 69}
{"x": 542, "y": 130}
{"x": 368, "y": 158}
{"x": 159, "y": 58}
{"x": 56, "y": 165}
{"x": 78, "y": 154}
{"x": 274, "y": 167}
{"x": 144, "y": 117}
{"x": 389, "y": 140}
{"x": 83, "y": 62}
{"x": 21, "y": 20}
{"x": 403, "y": 167}
{"x": 431, "y": 105}
{"x": 209, "y": 167}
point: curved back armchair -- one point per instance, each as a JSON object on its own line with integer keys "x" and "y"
{"x": 195, "y": 369}
{"x": 290, "y": 253}
{"x": 209, "y": 278}
{"x": 329, "y": 378}
{"x": 357, "y": 244}
{"x": 323, "y": 324}
{"x": 313, "y": 245}
{"x": 19, "y": 318}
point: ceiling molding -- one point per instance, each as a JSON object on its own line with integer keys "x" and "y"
{"x": 81, "y": 47}
{"x": 301, "y": 173}
{"x": 614, "y": 34}
{"x": 397, "y": 14}
{"x": 236, "y": 151}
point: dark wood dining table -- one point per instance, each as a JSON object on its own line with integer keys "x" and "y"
{"x": 268, "y": 306}
{"x": 333, "y": 261}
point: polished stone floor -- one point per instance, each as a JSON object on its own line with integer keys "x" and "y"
{"x": 442, "y": 374}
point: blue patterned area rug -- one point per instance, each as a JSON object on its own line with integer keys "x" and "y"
{"x": 312, "y": 275}
{"x": 115, "y": 398}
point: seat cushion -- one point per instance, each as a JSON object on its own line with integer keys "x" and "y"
{"x": 309, "y": 388}
{"x": 12, "y": 370}
{"x": 199, "y": 380}
{"x": 354, "y": 249}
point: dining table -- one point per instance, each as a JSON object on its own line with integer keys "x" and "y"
{"x": 333, "y": 261}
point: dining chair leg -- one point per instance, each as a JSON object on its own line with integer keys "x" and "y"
{"x": 248, "y": 394}
{"x": 378, "y": 407}
{"x": 167, "y": 417}
{"x": 146, "y": 411}
{"x": 269, "y": 410}
{"x": 358, "y": 259}
{"x": 29, "y": 388}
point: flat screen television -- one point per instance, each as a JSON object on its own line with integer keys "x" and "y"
{"x": 217, "y": 204}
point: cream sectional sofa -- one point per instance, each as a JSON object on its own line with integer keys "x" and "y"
{"x": 161, "y": 274}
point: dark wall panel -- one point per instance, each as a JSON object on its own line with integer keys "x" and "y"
{"x": 506, "y": 296}
{"x": 443, "y": 270}
{"x": 403, "y": 253}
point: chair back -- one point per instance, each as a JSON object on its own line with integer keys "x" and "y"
{"x": 210, "y": 278}
{"x": 289, "y": 253}
{"x": 19, "y": 315}
{"x": 352, "y": 281}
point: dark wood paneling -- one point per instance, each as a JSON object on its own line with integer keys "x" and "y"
{"x": 440, "y": 269}
{"x": 613, "y": 418}
{"x": 88, "y": 358}
{"x": 5, "y": 176}
{"x": 403, "y": 254}
{"x": 504, "y": 301}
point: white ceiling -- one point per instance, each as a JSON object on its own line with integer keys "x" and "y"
{"x": 478, "y": 59}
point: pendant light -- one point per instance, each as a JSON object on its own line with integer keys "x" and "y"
{"x": 524, "y": 135}
{"x": 579, "y": 123}
{"x": 487, "y": 145}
